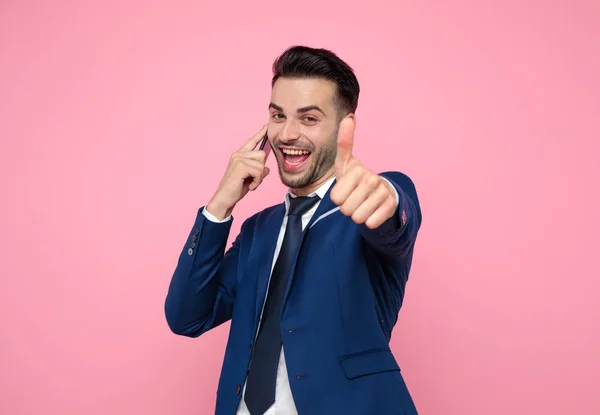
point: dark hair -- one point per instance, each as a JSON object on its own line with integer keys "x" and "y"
{"x": 306, "y": 62}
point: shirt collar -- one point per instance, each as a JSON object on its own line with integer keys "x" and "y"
{"x": 321, "y": 192}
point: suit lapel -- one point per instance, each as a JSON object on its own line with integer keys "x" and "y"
{"x": 325, "y": 205}
{"x": 268, "y": 229}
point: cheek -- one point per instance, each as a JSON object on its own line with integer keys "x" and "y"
{"x": 326, "y": 143}
{"x": 322, "y": 138}
{"x": 274, "y": 133}
{"x": 273, "y": 129}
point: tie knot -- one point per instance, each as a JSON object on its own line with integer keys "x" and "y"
{"x": 299, "y": 205}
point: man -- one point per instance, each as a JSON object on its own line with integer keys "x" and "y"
{"x": 313, "y": 285}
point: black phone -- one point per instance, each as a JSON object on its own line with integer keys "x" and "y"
{"x": 265, "y": 145}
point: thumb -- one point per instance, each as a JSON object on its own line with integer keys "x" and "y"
{"x": 345, "y": 143}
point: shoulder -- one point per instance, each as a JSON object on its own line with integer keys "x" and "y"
{"x": 265, "y": 215}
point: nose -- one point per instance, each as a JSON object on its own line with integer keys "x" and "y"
{"x": 289, "y": 131}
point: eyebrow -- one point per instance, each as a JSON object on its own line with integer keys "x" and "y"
{"x": 299, "y": 110}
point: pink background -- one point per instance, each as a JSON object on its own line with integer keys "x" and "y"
{"x": 117, "y": 122}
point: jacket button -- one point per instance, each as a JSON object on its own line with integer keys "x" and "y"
{"x": 190, "y": 252}
{"x": 238, "y": 389}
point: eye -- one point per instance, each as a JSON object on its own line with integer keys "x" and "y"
{"x": 277, "y": 116}
{"x": 310, "y": 119}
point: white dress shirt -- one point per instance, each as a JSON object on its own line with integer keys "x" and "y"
{"x": 284, "y": 401}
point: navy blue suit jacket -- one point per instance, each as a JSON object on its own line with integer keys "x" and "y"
{"x": 338, "y": 313}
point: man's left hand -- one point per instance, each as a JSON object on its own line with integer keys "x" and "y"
{"x": 365, "y": 196}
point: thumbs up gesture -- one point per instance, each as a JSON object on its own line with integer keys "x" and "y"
{"x": 360, "y": 193}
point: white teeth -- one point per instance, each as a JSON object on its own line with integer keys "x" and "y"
{"x": 295, "y": 152}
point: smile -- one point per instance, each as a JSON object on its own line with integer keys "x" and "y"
{"x": 294, "y": 159}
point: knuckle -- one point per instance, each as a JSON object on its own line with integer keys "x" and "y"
{"x": 372, "y": 222}
{"x": 334, "y": 196}
{"x": 354, "y": 169}
{"x": 383, "y": 192}
{"x": 358, "y": 218}
{"x": 372, "y": 179}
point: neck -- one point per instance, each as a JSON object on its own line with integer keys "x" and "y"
{"x": 304, "y": 191}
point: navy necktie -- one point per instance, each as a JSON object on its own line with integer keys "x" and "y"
{"x": 260, "y": 389}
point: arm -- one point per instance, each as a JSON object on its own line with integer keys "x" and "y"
{"x": 396, "y": 236}
{"x": 385, "y": 206}
{"x": 202, "y": 290}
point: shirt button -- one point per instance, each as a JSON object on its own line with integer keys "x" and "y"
{"x": 238, "y": 389}
{"x": 190, "y": 252}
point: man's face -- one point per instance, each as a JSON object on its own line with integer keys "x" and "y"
{"x": 302, "y": 129}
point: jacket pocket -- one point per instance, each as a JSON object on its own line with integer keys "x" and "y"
{"x": 369, "y": 362}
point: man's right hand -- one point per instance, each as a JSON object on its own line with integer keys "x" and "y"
{"x": 245, "y": 172}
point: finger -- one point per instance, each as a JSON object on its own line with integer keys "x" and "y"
{"x": 366, "y": 209}
{"x": 258, "y": 155}
{"x": 254, "y": 171}
{"x": 345, "y": 143}
{"x": 251, "y": 144}
{"x": 249, "y": 166}
{"x": 360, "y": 195}
{"x": 255, "y": 184}
{"x": 345, "y": 185}
{"x": 383, "y": 213}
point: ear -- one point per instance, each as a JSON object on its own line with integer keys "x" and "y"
{"x": 350, "y": 115}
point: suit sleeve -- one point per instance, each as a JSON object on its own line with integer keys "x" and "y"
{"x": 396, "y": 237}
{"x": 201, "y": 293}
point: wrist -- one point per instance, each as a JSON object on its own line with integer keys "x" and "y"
{"x": 218, "y": 209}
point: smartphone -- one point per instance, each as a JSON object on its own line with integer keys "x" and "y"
{"x": 265, "y": 145}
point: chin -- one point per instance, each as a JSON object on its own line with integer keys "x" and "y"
{"x": 294, "y": 180}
